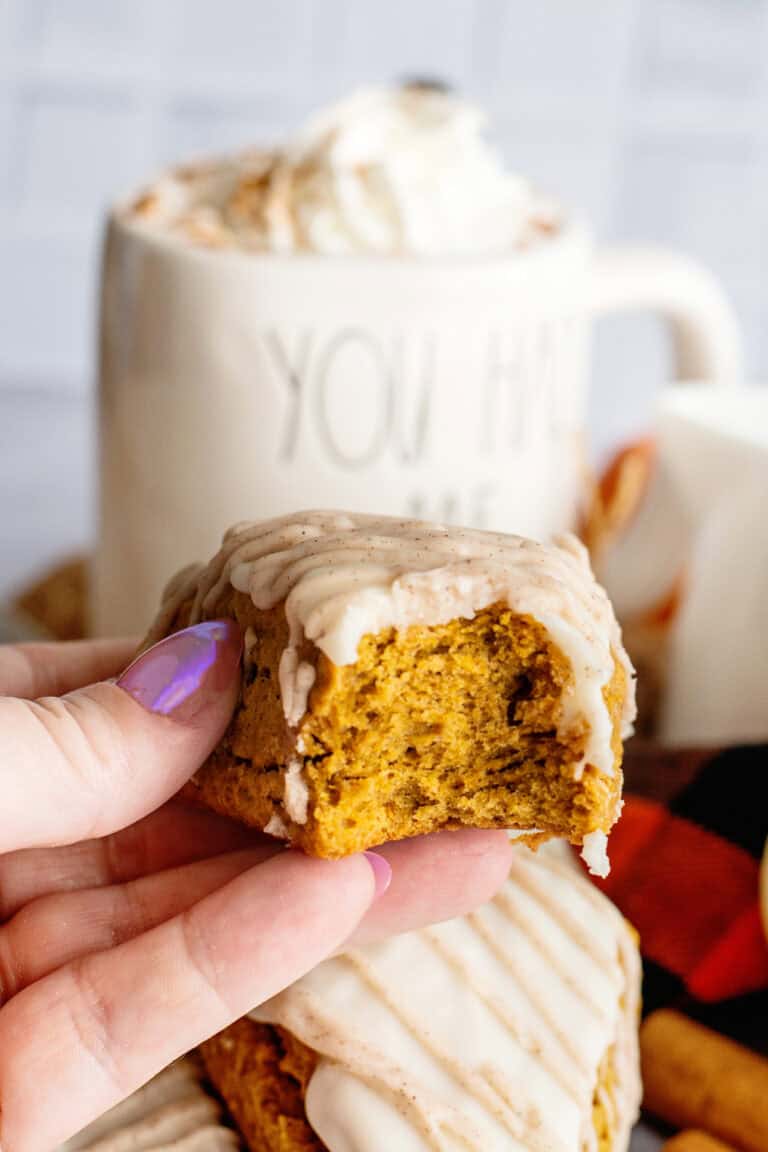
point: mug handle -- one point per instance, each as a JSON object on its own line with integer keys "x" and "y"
{"x": 706, "y": 336}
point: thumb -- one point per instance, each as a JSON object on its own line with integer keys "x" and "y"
{"x": 88, "y": 763}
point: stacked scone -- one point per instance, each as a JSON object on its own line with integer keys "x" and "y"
{"x": 399, "y": 678}
{"x": 514, "y": 1027}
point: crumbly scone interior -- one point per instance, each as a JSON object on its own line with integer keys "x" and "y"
{"x": 456, "y": 724}
{"x": 451, "y": 725}
{"x": 262, "y": 1073}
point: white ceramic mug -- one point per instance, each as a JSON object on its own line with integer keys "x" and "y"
{"x": 237, "y": 385}
{"x": 688, "y": 571}
{"x": 713, "y": 449}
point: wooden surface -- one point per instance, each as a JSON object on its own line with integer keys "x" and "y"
{"x": 46, "y": 479}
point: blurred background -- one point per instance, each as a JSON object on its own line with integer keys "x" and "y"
{"x": 647, "y": 117}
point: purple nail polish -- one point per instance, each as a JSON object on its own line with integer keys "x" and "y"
{"x": 177, "y": 676}
{"x": 382, "y": 872}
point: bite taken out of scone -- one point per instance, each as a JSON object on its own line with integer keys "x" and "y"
{"x": 401, "y": 677}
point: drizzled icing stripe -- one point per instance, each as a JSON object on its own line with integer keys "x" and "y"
{"x": 407, "y": 1096}
{"x": 435, "y": 1039}
{"x": 173, "y": 1111}
{"x": 539, "y": 1003}
{"x": 529, "y": 879}
{"x": 529, "y": 1035}
{"x": 489, "y": 1087}
{"x": 508, "y": 903}
{"x": 344, "y": 576}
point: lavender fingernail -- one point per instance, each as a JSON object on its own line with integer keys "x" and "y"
{"x": 382, "y": 872}
{"x": 178, "y": 676}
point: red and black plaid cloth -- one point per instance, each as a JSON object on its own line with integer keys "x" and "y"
{"x": 685, "y": 873}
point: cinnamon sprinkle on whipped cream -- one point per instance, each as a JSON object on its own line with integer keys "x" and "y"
{"x": 392, "y": 171}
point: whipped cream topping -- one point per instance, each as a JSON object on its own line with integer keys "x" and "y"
{"x": 389, "y": 170}
{"x": 173, "y": 1111}
{"x": 343, "y": 576}
{"x": 484, "y": 1032}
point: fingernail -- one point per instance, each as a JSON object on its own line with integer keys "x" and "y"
{"x": 382, "y": 872}
{"x": 178, "y": 676}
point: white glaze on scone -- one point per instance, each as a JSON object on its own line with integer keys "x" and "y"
{"x": 295, "y": 791}
{"x": 343, "y": 576}
{"x": 594, "y": 851}
{"x": 487, "y": 1032}
{"x": 173, "y": 1111}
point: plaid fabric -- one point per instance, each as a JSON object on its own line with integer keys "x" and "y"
{"x": 685, "y": 873}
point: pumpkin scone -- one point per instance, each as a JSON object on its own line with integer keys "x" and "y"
{"x": 401, "y": 677}
{"x": 512, "y": 1028}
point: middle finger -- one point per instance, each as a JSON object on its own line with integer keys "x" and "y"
{"x": 174, "y": 835}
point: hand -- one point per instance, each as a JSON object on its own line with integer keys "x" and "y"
{"x": 132, "y": 927}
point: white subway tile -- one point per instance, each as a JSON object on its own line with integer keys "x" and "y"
{"x": 74, "y": 149}
{"x": 701, "y": 46}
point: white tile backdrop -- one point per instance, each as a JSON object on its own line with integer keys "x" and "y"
{"x": 647, "y": 116}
